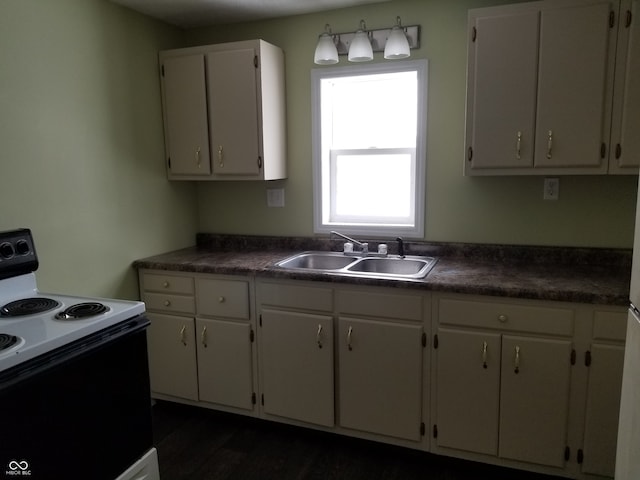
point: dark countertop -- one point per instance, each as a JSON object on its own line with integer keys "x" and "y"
{"x": 595, "y": 276}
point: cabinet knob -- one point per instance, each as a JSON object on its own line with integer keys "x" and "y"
{"x": 518, "y": 145}
{"x": 502, "y": 318}
{"x": 167, "y": 303}
{"x": 221, "y": 299}
{"x": 550, "y": 144}
{"x": 165, "y": 284}
{"x": 198, "y": 161}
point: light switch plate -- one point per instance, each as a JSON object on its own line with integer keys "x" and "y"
{"x": 275, "y": 197}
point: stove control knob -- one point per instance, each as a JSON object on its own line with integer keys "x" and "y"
{"x": 22, "y": 247}
{"x": 6, "y": 250}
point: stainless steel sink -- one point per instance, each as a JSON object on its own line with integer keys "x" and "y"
{"x": 404, "y": 267}
{"x": 390, "y": 266}
{"x": 317, "y": 261}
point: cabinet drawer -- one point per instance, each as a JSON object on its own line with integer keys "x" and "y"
{"x": 169, "y": 303}
{"x": 296, "y": 296}
{"x": 223, "y": 298}
{"x": 506, "y": 316}
{"x": 610, "y": 325}
{"x": 152, "y": 282}
{"x": 375, "y": 304}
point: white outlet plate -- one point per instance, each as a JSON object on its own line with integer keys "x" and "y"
{"x": 275, "y": 197}
{"x": 551, "y": 189}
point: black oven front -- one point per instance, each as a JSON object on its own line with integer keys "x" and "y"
{"x": 81, "y": 411}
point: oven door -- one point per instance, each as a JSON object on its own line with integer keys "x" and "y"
{"x": 82, "y": 411}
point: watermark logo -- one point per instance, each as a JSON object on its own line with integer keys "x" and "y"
{"x": 17, "y": 468}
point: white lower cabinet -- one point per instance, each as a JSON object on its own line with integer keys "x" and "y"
{"x": 380, "y": 370}
{"x": 502, "y": 374}
{"x": 295, "y": 346}
{"x": 225, "y": 363}
{"x": 527, "y": 384}
{"x": 512, "y": 383}
{"x": 380, "y": 362}
{"x": 604, "y": 360}
{"x": 297, "y": 366}
{"x": 201, "y": 339}
{"x": 172, "y": 356}
{"x": 534, "y": 399}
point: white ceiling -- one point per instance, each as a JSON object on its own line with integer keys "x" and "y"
{"x": 200, "y": 13}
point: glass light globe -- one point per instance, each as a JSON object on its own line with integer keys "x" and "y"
{"x": 360, "y": 49}
{"x": 397, "y": 45}
{"x": 326, "y": 51}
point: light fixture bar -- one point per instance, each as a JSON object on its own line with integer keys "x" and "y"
{"x": 378, "y": 38}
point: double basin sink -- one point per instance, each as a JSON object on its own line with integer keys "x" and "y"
{"x": 389, "y": 266}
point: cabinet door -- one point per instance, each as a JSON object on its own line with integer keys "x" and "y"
{"x": 380, "y": 365}
{"x": 572, "y": 86}
{"x": 603, "y": 407}
{"x": 625, "y": 141}
{"x": 467, "y": 390}
{"x": 502, "y": 89}
{"x": 534, "y": 399}
{"x": 185, "y": 115}
{"x": 233, "y": 112}
{"x": 225, "y": 371}
{"x": 172, "y": 356}
{"x": 296, "y": 361}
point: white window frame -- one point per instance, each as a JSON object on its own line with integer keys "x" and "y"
{"x": 322, "y": 161}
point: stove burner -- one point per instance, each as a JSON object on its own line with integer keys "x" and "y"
{"x": 82, "y": 310}
{"x": 7, "y": 341}
{"x": 28, "y": 306}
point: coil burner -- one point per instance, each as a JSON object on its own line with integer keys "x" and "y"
{"x": 28, "y": 306}
{"x": 8, "y": 341}
{"x": 82, "y": 310}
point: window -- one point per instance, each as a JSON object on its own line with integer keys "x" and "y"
{"x": 369, "y": 128}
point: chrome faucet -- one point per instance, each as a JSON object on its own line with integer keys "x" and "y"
{"x": 364, "y": 246}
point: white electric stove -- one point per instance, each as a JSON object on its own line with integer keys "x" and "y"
{"x": 74, "y": 378}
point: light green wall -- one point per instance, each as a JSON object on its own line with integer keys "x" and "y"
{"x": 81, "y": 142}
{"x": 82, "y": 160}
{"x": 592, "y": 211}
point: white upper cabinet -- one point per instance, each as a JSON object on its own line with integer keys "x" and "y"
{"x": 502, "y": 89}
{"x": 185, "y": 112}
{"x": 572, "y": 127}
{"x": 233, "y": 125}
{"x": 624, "y": 155}
{"x": 540, "y": 88}
{"x": 224, "y": 112}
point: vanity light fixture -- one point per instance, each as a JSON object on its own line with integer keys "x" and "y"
{"x": 396, "y": 42}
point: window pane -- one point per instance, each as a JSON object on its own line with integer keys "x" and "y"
{"x": 372, "y": 110}
{"x": 373, "y": 187}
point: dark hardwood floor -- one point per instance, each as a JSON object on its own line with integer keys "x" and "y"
{"x": 200, "y": 444}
